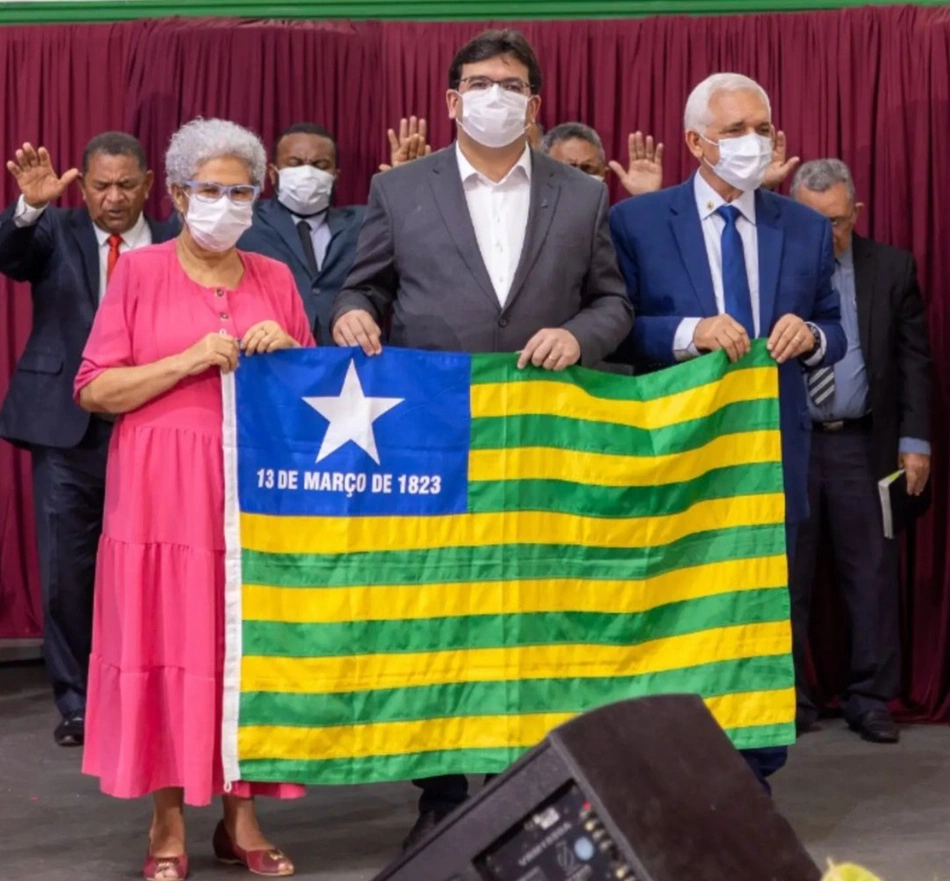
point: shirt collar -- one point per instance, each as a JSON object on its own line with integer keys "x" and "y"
{"x": 846, "y": 259}
{"x": 132, "y": 237}
{"x": 314, "y": 221}
{"x": 708, "y": 200}
{"x": 468, "y": 171}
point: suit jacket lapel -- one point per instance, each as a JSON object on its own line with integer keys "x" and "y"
{"x": 85, "y": 235}
{"x": 281, "y": 220}
{"x": 864, "y": 289}
{"x": 544, "y": 196}
{"x": 688, "y": 232}
{"x": 771, "y": 237}
{"x": 445, "y": 182}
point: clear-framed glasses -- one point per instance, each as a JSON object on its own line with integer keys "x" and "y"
{"x": 208, "y": 191}
{"x": 510, "y": 84}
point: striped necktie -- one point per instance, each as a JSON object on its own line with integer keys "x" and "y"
{"x": 821, "y": 385}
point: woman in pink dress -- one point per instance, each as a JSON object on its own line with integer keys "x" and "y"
{"x": 175, "y": 317}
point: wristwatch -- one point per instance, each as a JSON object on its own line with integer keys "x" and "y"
{"x": 817, "y": 336}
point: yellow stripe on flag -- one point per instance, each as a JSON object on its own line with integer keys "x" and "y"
{"x": 296, "y": 743}
{"x": 334, "y": 675}
{"x": 343, "y": 535}
{"x": 601, "y": 469}
{"x": 297, "y": 605}
{"x": 553, "y": 398}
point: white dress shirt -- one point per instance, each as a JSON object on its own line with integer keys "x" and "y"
{"x": 320, "y": 235}
{"x": 138, "y": 237}
{"x": 707, "y": 203}
{"x": 499, "y": 213}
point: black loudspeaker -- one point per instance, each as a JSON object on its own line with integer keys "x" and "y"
{"x": 642, "y": 790}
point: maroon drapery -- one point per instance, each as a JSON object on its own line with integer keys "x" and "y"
{"x": 870, "y": 85}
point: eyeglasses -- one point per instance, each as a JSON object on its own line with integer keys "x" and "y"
{"x": 207, "y": 191}
{"x": 841, "y": 222}
{"x": 511, "y": 84}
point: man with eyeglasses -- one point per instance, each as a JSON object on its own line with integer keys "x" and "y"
{"x": 486, "y": 246}
{"x": 871, "y": 416}
{"x": 67, "y": 256}
{"x": 580, "y": 146}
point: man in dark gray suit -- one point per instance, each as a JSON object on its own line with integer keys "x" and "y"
{"x": 487, "y": 246}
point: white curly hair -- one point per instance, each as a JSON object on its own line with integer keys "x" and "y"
{"x": 202, "y": 140}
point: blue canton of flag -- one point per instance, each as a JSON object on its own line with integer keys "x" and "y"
{"x": 338, "y": 433}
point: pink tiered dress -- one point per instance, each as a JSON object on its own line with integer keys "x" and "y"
{"x": 153, "y": 716}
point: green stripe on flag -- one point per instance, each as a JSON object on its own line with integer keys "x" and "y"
{"x": 505, "y": 698}
{"x": 430, "y": 764}
{"x": 702, "y": 371}
{"x": 337, "y": 639}
{"x": 494, "y": 562}
{"x": 635, "y": 501}
{"x": 563, "y": 432}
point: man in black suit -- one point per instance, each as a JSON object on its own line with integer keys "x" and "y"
{"x": 486, "y": 246}
{"x": 67, "y": 256}
{"x": 871, "y": 415}
{"x": 301, "y": 227}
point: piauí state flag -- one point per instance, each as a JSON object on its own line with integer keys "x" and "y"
{"x": 433, "y": 559}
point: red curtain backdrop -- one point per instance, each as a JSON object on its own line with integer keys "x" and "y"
{"x": 869, "y": 85}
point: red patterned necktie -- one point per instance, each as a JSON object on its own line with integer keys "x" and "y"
{"x": 114, "y": 243}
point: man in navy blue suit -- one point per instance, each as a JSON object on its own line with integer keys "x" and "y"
{"x": 301, "y": 227}
{"x": 67, "y": 256}
{"x": 717, "y": 261}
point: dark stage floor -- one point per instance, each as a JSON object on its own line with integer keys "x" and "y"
{"x": 888, "y": 807}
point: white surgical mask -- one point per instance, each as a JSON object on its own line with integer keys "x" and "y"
{"x": 742, "y": 161}
{"x": 217, "y": 226}
{"x": 597, "y": 177}
{"x": 304, "y": 190}
{"x": 494, "y": 117}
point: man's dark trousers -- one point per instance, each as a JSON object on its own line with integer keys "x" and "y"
{"x": 69, "y": 492}
{"x": 845, "y": 505}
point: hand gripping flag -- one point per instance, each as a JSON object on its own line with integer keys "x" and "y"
{"x": 434, "y": 559}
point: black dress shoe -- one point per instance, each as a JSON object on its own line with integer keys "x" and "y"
{"x": 424, "y": 825}
{"x": 806, "y": 725}
{"x": 71, "y": 731}
{"x": 877, "y": 726}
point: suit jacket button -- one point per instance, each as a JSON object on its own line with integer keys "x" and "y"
{"x": 502, "y": 322}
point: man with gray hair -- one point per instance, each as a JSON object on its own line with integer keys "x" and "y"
{"x": 871, "y": 415}
{"x": 579, "y": 145}
{"x": 717, "y": 261}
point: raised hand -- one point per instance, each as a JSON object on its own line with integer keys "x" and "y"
{"x": 409, "y": 144}
{"x": 778, "y": 169}
{"x": 644, "y": 171}
{"x": 36, "y": 177}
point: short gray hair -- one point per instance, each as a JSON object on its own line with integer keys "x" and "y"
{"x": 567, "y": 131}
{"x": 202, "y": 140}
{"x": 696, "y": 117}
{"x": 820, "y": 175}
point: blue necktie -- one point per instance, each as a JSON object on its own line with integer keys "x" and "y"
{"x": 735, "y": 279}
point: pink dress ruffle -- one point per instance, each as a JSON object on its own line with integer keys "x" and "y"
{"x": 153, "y": 716}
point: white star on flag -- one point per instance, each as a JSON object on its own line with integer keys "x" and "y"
{"x": 351, "y": 416}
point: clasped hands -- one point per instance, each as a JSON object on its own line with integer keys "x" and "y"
{"x": 222, "y": 351}
{"x": 790, "y": 338}
{"x": 551, "y": 348}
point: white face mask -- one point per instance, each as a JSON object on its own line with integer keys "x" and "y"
{"x": 494, "y": 117}
{"x": 742, "y": 161}
{"x": 598, "y": 178}
{"x": 305, "y": 190}
{"x": 217, "y": 226}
